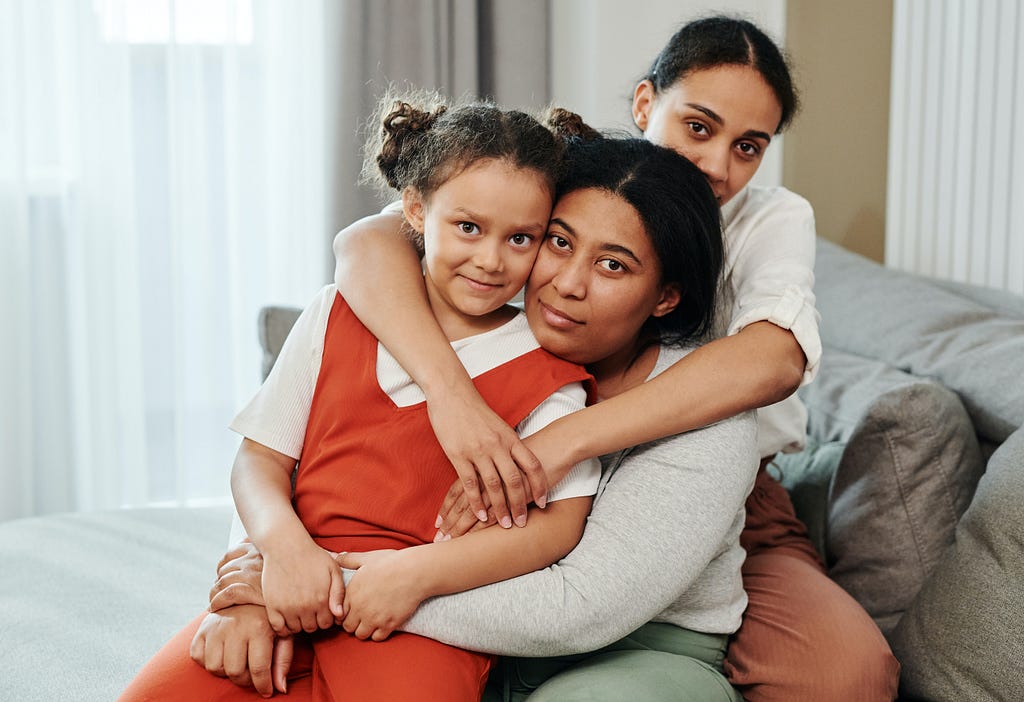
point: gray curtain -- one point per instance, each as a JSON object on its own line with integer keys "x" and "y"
{"x": 496, "y": 49}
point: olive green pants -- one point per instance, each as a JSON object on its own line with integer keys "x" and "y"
{"x": 657, "y": 662}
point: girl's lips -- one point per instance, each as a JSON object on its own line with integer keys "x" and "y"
{"x": 479, "y": 285}
{"x": 558, "y": 319}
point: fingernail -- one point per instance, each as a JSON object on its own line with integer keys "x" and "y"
{"x": 506, "y": 523}
{"x": 482, "y": 515}
{"x": 439, "y": 536}
{"x": 438, "y": 522}
{"x": 521, "y": 520}
{"x": 542, "y": 501}
{"x": 447, "y": 537}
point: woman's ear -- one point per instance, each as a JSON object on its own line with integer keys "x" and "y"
{"x": 671, "y": 294}
{"x": 412, "y": 208}
{"x": 643, "y": 101}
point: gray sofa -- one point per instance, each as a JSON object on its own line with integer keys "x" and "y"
{"x": 912, "y": 487}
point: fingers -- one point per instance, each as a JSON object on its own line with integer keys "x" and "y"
{"x": 455, "y": 495}
{"x": 494, "y": 486}
{"x": 236, "y": 594}
{"x": 236, "y": 551}
{"x": 236, "y": 663}
{"x": 536, "y": 478}
{"x": 261, "y": 654}
{"x": 470, "y": 486}
{"x": 197, "y": 649}
{"x": 335, "y": 601}
{"x": 454, "y": 514}
{"x": 515, "y": 492}
{"x": 284, "y": 652}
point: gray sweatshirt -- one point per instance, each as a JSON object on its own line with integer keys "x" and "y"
{"x": 661, "y": 544}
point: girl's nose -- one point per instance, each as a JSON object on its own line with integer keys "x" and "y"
{"x": 488, "y": 256}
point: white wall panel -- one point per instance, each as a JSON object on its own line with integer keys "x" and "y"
{"x": 956, "y": 143}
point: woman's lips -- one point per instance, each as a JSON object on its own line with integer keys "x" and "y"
{"x": 558, "y": 319}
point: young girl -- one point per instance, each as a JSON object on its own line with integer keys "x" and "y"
{"x": 717, "y": 92}
{"x": 477, "y": 186}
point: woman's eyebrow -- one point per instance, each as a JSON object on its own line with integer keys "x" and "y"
{"x": 618, "y": 248}
{"x": 716, "y": 118}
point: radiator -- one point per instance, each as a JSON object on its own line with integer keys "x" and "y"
{"x": 955, "y": 194}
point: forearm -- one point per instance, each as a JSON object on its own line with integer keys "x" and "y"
{"x": 380, "y": 276}
{"x": 490, "y": 555}
{"x": 757, "y": 367}
{"x": 261, "y": 488}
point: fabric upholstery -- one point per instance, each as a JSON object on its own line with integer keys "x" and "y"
{"x": 929, "y": 331}
{"x": 963, "y": 637}
{"x": 86, "y": 599}
{"x": 908, "y": 469}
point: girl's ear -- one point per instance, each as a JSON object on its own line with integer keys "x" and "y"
{"x": 412, "y": 208}
{"x": 643, "y": 100}
{"x": 671, "y": 294}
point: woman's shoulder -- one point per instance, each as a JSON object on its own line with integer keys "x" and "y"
{"x": 758, "y": 201}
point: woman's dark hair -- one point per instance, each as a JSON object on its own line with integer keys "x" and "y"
{"x": 422, "y": 142}
{"x": 714, "y": 41}
{"x": 680, "y": 215}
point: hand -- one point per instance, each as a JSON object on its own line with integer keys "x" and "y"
{"x": 238, "y": 643}
{"x": 486, "y": 451}
{"x": 456, "y": 517}
{"x": 239, "y": 578}
{"x": 303, "y": 589}
{"x": 381, "y": 596}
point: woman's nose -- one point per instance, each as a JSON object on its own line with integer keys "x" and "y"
{"x": 570, "y": 281}
{"x": 714, "y": 164}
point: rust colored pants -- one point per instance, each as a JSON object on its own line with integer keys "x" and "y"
{"x": 335, "y": 667}
{"x": 803, "y": 637}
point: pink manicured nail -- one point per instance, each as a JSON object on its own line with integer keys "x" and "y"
{"x": 506, "y": 523}
{"x": 438, "y": 522}
{"x": 542, "y": 501}
{"x": 521, "y": 520}
{"x": 482, "y": 515}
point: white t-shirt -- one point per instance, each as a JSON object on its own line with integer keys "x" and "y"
{"x": 769, "y": 276}
{"x": 277, "y": 415}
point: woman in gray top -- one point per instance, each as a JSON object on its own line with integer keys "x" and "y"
{"x": 625, "y": 280}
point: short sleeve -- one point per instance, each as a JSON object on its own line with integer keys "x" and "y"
{"x": 582, "y": 480}
{"x": 770, "y": 244}
{"x": 277, "y": 415}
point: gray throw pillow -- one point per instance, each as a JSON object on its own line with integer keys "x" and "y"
{"x": 963, "y": 637}
{"x": 908, "y": 471}
{"x": 965, "y": 340}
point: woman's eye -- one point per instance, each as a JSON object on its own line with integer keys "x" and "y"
{"x": 468, "y": 228}
{"x": 559, "y": 242}
{"x": 520, "y": 239}
{"x": 698, "y": 128}
{"x": 611, "y": 265}
{"x": 748, "y": 149}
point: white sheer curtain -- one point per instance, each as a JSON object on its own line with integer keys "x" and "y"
{"x": 163, "y": 170}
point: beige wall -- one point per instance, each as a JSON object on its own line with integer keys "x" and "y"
{"x": 835, "y": 153}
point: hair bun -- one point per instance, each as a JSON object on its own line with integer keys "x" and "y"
{"x": 568, "y": 125}
{"x": 401, "y": 127}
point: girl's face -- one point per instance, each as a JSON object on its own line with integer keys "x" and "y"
{"x": 596, "y": 281}
{"x": 720, "y": 118}
{"x": 481, "y": 232}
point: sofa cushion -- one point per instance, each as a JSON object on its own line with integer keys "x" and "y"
{"x": 274, "y": 323}
{"x": 961, "y": 340}
{"x": 963, "y": 637}
{"x": 807, "y": 476}
{"x": 909, "y": 468}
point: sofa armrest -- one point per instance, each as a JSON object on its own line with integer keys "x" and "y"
{"x": 274, "y": 324}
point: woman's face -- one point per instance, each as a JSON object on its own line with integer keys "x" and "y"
{"x": 596, "y": 281}
{"x": 720, "y": 118}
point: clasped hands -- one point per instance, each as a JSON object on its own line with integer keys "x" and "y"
{"x": 237, "y": 639}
